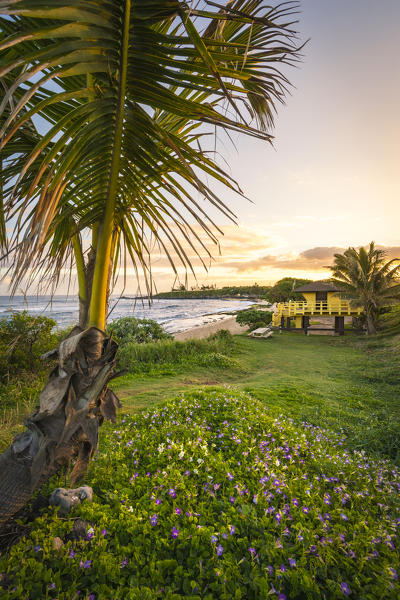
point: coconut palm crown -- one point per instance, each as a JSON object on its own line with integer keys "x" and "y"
{"x": 126, "y": 93}
{"x": 368, "y": 278}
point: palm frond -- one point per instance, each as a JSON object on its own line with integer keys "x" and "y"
{"x": 128, "y": 92}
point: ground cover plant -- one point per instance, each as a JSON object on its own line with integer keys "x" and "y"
{"x": 209, "y": 496}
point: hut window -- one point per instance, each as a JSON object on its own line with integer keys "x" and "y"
{"x": 322, "y": 296}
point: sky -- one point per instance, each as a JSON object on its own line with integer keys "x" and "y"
{"x": 330, "y": 180}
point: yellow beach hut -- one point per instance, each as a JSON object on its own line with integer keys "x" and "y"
{"x": 321, "y": 299}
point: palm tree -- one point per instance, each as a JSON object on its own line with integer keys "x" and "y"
{"x": 126, "y": 92}
{"x": 369, "y": 279}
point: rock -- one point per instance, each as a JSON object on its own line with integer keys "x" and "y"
{"x": 78, "y": 531}
{"x": 67, "y": 499}
{"x": 58, "y": 543}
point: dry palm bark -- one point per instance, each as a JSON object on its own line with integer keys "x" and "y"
{"x": 73, "y": 404}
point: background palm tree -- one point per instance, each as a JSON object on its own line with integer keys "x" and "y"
{"x": 124, "y": 92}
{"x": 369, "y": 279}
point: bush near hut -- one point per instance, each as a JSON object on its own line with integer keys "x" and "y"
{"x": 209, "y": 497}
{"x": 254, "y": 318}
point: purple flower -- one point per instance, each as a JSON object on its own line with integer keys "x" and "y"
{"x": 214, "y": 539}
{"x": 225, "y": 536}
{"x": 52, "y": 586}
{"x": 177, "y": 511}
{"x": 232, "y": 530}
{"x": 252, "y": 550}
{"x": 124, "y": 563}
{"x": 281, "y": 597}
{"x": 345, "y": 588}
{"x": 219, "y": 550}
{"x": 172, "y": 493}
{"x": 295, "y": 502}
{"x": 104, "y": 532}
{"x": 283, "y": 569}
{"x": 158, "y": 501}
{"x": 92, "y": 596}
{"x": 230, "y": 476}
{"x": 344, "y": 517}
{"x": 175, "y": 532}
{"x": 37, "y": 548}
{"x": 153, "y": 520}
{"x": 90, "y": 534}
{"x": 85, "y": 565}
{"x": 305, "y": 510}
{"x": 232, "y": 499}
{"x": 270, "y": 569}
{"x": 72, "y": 554}
{"x": 292, "y": 562}
{"x": 393, "y": 573}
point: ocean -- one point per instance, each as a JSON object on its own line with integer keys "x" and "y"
{"x": 173, "y": 315}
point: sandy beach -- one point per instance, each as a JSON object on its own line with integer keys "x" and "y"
{"x": 204, "y": 331}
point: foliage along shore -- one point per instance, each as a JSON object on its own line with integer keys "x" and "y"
{"x": 251, "y": 292}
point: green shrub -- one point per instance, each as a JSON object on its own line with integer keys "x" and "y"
{"x": 136, "y": 357}
{"x": 209, "y": 497}
{"x": 141, "y": 331}
{"x": 254, "y": 318}
{"x": 23, "y": 339}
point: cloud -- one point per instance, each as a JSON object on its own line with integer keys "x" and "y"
{"x": 312, "y": 259}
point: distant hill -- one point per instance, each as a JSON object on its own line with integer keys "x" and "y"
{"x": 243, "y": 291}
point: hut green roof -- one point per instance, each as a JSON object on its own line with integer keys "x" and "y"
{"x": 318, "y": 286}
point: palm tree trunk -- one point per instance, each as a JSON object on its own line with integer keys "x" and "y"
{"x": 72, "y": 406}
{"x": 98, "y": 302}
{"x": 371, "y": 322}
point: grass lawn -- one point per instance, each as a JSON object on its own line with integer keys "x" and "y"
{"x": 348, "y": 383}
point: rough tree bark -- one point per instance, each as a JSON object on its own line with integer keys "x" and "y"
{"x": 73, "y": 404}
{"x": 371, "y": 323}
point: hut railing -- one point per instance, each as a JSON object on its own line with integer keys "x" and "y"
{"x": 333, "y": 307}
